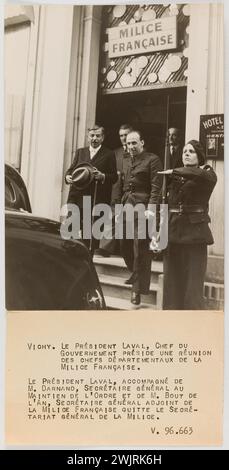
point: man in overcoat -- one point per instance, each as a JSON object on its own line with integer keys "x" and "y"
{"x": 105, "y": 173}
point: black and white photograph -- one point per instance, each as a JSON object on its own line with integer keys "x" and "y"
{"x": 114, "y": 223}
{"x": 121, "y": 106}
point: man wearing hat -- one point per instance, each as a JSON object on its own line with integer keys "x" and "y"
{"x": 185, "y": 259}
{"x": 92, "y": 173}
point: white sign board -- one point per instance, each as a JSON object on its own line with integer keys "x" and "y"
{"x": 143, "y": 38}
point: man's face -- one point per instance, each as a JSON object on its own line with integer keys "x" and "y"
{"x": 135, "y": 144}
{"x": 174, "y": 136}
{"x": 95, "y": 138}
{"x": 123, "y": 134}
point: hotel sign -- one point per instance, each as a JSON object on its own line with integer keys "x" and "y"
{"x": 143, "y": 37}
{"x": 212, "y": 135}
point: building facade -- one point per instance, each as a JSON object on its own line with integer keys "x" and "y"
{"x": 67, "y": 66}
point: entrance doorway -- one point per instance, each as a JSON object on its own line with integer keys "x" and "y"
{"x": 146, "y": 111}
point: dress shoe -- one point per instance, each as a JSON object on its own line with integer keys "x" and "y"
{"x": 129, "y": 281}
{"x": 102, "y": 252}
{"x": 135, "y": 298}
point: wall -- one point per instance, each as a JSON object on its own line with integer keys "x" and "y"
{"x": 46, "y": 100}
{"x": 49, "y": 109}
{"x": 83, "y": 85}
{"x": 205, "y": 95}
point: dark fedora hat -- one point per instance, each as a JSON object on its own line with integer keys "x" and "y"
{"x": 83, "y": 175}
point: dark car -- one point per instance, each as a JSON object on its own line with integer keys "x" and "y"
{"x": 43, "y": 271}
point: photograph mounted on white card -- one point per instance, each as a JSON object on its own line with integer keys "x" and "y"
{"x": 114, "y": 134}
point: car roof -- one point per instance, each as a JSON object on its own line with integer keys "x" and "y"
{"x": 16, "y": 195}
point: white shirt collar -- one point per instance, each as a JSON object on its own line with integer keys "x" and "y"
{"x": 173, "y": 147}
{"x": 94, "y": 151}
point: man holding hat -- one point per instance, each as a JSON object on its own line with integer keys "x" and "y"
{"x": 185, "y": 259}
{"x": 92, "y": 173}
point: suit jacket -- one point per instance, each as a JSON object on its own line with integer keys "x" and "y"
{"x": 140, "y": 181}
{"x": 191, "y": 189}
{"x": 175, "y": 160}
{"x": 104, "y": 160}
{"x": 116, "y": 189}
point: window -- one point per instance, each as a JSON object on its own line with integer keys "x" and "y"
{"x": 16, "y": 66}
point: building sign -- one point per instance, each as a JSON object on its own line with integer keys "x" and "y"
{"x": 212, "y": 135}
{"x": 143, "y": 37}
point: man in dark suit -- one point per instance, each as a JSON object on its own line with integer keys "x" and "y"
{"x": 175, "y": 148}
{"x": 140, "y": 184}
{"x": 108, "y": 244}
{"x": 105, "y": 172}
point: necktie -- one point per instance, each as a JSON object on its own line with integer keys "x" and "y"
{"x": 172, "y": 156}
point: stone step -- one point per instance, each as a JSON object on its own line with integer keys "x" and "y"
{"x": 212, "y": 304}
{"x": 119, "y": 261}
{"x": 114, "y": 303}
{"x": 113, "y": 286}
{"x": 113, "y": 272}
{"x": 115, "y": 266}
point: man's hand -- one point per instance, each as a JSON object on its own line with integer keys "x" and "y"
{"x": 98, "y": 175}
{"x": 69, "y": 179}
{"x": 165, "y": 172}
{"x": 154, "y": 244}
{"x": 149, "y": 214}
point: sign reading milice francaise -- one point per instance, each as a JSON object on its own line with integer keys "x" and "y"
{"x": 143, "y": 37}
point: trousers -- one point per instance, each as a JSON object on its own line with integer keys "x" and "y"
{"x": 184, "y": 273}
{"x": 108, "y": 241}
{"x": 136, "y": 254}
